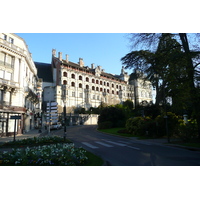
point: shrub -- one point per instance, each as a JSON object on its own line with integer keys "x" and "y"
{"x": 115, "y": 115}
{"x": 133, "y": 125}
{"x": 172, "y": 122}
{"x": 188, "y": 131}
{"x": 105, "y": 125}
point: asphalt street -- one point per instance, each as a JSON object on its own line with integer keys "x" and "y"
{"x": 121, "y": 151}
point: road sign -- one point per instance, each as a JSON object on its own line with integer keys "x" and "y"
{"x": 52, "y": 103}
{"x": 15, "y": 117}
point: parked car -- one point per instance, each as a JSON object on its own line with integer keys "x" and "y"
{"x": 56, "y": 126}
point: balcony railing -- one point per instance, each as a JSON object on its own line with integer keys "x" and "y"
{"x": 9, "y": 83}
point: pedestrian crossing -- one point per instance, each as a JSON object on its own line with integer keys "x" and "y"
{"x": 108, "y": 143}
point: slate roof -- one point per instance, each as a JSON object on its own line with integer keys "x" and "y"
{"x": 44, "y": 71}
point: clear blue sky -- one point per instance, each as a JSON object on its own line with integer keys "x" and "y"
{"x": 105, "y": 49}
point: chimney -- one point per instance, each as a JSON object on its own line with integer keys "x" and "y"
{"x": 60, "y": 56}
{"x": 54, "y": 52}
{"x": 81, "y": 63}
{"x": 92, "y": 66}
{"x": 67, "y": 58}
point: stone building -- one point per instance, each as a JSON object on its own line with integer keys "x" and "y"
{"x": 81, "y": 86}
{"x": 20, "y": 87}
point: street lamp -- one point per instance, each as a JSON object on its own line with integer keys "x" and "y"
{"x": 64, "y": 111}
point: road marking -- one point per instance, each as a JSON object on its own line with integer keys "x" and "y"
{"x": 116, "y": 143}
{"x": 104, "y": 144}
{"x": 133, "y": 147}
{"x": 90, "y": 145}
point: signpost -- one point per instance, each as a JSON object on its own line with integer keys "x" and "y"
{"x": 52, "y": 115}
{"x": 15, "y": 117}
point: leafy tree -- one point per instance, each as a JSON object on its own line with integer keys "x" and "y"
{"x": 175, "y": 66}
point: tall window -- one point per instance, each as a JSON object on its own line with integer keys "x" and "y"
{"x": 87, "y": 79}
{"x": 73, "y": 75}
{"x": 65, "y": 74}
{"x": 87, "y": 86}
{"x": 64, "y": 82}
{"x": 80, "y": 85}
{"x": 80, "y": 78}
{"x": 73, "y": 84}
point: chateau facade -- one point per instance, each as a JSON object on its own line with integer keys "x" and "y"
{"x": 20, "y": 87}
{"x": 80, "y": 86}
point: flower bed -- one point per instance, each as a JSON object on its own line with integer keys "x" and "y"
{"x": 54, "y": 154}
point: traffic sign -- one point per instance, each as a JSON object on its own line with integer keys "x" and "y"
{"x": 15, "y": 117}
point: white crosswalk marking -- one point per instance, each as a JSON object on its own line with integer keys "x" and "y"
{"x": 116, "y": 143}
{"x": 133, "y": 147}
{"x": 104, "y": 144}
{"x": 90, "y": 145}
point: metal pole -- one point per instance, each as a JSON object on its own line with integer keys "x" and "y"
{"x": 49, "y": 128}
{"x": 65, "y": 122}
{"x": 14, "y": 130}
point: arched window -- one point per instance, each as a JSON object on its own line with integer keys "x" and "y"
{"x": 107, "y": 90}
{"x": 65, "y": 74}
{"x": 97, "y": 89}
{"x": 112, "y": 85}
{"x": 101, "y": 89}
{"x": 93, "y": 81}
{"x": 64, "y": 82}
{"x": 93, "y": 88}
{"x": 108, "y": 84}
{"x": 73, "y": 84}
{"x": 113, "y": 92}
{"x": 97, "y": 82}
{"x": 73, "y": 75}
{"x": 87, "y": 79}
{"x": 100, "y": 82}
{"x": 87, "y": 86}
{"x": 80, "y": 78}
{"x": 80, "y": 85}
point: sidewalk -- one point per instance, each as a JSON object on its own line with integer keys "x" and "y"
{"x": 29, "y": 134}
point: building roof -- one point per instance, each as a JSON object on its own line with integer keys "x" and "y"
{"x": 44, "y": 71}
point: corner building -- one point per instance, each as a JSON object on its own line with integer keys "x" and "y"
{"x": 20, "y": 88}
{"x": 85, "y": 87}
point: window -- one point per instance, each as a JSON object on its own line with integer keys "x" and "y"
{"x": 11, "y": 40}
{"x": 80, "y": 78}
{"x": 107, "y": 91}
{"x": 93, "y": 96}
{"x": 97, "y": 89}
{"x": 87, "y": 79}
{"x": 101, "y": 89}
{"x": 64, "y": 82}
{"x": 80, "y": 85}
{"x": 113, "y": 85}
{"x": 87, "y": 86}
{"x": 73, "y": 94}
{"x": 100, "y": 82}
{"x": 97, "y": 97}
{"x": 97, "y": 82}
{"x": 81, "y": 95}
{"x": 4, "y": 37}
{"x": 93, "y": 88}
{"x": 113, "y": 92}
{"x": 73, "y": 76}
{"x": 108, "y": 84}
{"x": 65, "y": 74}
{"x": 93, "y": 81}
{"x": 117, "y": 86}
{"x": 73, "y": 84}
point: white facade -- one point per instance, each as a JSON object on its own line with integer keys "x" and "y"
{"x": 85, "y": 87}
{"x": 20, "y": 88}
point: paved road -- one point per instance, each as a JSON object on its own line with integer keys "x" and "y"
{"x": 120, "y": 151}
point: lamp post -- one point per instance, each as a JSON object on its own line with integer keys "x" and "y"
{"x": 64, "y": 111}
